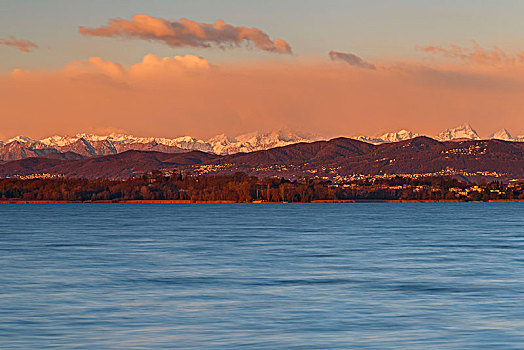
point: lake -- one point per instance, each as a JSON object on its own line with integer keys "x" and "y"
{"x": 262, "y": 276}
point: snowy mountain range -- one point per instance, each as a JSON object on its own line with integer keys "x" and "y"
{"x": 89, "y": 145}
{"x": 461, "y": 132}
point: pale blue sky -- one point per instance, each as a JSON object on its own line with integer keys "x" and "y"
{"x": 372, "y": 29}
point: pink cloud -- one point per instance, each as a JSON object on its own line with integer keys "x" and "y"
{"x": 161, "y": 68}
{"x": 185, "y": 32}
{"x": 94, "y": 65}
{"x": 475, "y": 54}
{"x": 22, "y": 45}
{"x": 151, "y": 70}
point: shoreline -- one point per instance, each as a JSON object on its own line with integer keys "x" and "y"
{"x": 164, "y": 201}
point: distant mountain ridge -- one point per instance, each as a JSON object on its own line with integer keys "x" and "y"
{"x": 89, "y": 145}
{"x": 461, "y": 132}
{"x": 338, "y": 160}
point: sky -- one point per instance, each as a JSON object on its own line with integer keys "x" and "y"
{"x": 333, "y": 67}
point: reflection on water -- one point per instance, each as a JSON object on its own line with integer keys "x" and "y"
{"x": 219, "y": 276}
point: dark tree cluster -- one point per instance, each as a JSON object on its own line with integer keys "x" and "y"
{"x": 243, "y": 188}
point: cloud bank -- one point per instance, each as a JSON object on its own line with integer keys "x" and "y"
{"x": 475, "y": 54}
{"x": 152, "y": 67}
{"x": 22, "y": 45}
{"x": 350, "y": 59}
{"x": 185, "y": 32}
{"x": 172, "y": 96}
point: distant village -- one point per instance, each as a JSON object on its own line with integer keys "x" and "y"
{"x": 332, "y": 174}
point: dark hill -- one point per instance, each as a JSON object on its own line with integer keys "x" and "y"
{"x": 342, "y": 156}
{"x": 117, "y": 166}
{"x": 315, "y": 152}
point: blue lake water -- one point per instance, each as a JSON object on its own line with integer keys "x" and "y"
{"x": 262, "y": 276}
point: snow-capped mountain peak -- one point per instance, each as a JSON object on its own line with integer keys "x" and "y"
{"x": 400, "y": 135}
{"x": 502, "y": 134}
{"x": 464, "y": 131}
{"x": 56, "y": 140}
{"x": 22, "y": 139}
{"x": 255, "y": 141}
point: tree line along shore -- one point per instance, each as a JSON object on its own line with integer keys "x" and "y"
{"x": 239, "y": 187}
